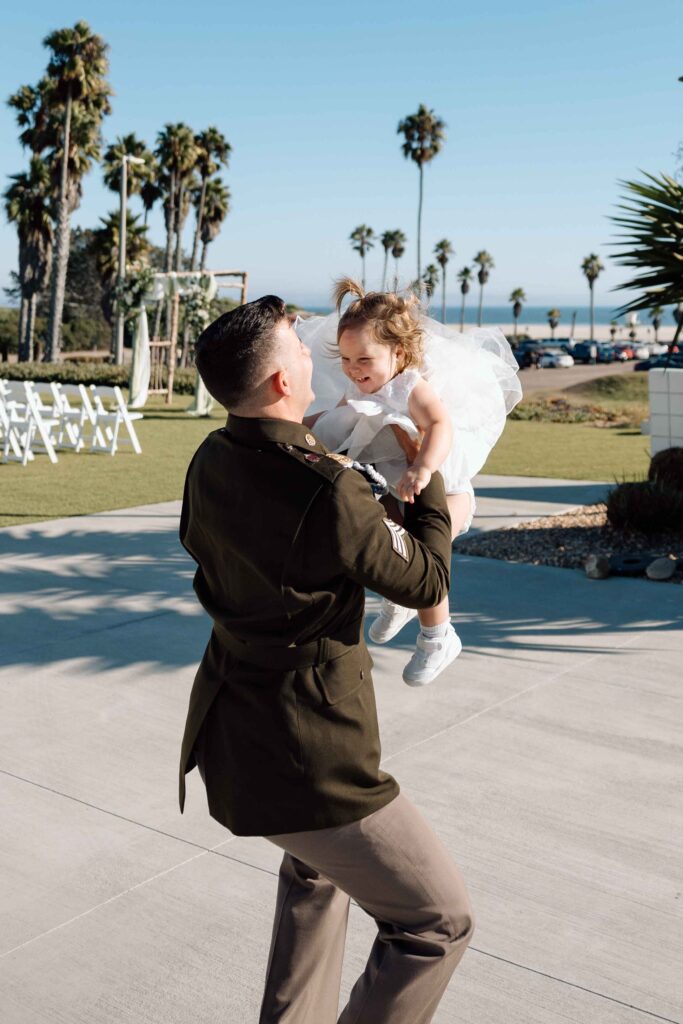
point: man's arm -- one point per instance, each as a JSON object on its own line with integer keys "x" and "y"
{"x": 409, "y": 566}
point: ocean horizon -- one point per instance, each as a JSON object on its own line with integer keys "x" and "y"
{"x": 532, "y": 315}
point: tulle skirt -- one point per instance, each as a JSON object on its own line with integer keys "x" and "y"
{"x": 474, "y": 374}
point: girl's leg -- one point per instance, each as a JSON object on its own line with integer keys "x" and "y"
{"x": 460, "y": 508}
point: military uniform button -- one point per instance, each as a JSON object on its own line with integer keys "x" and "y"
{"x": 310, "y": 439}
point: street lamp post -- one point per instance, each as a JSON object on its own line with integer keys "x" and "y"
{"x": 120, "y": 320}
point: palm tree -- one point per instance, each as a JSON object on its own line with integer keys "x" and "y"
{"x": 484, "y": 261}
{"x": 443, "y": 250}
{"x": 430, "y": 279}
{"x": 216, "y": 209}
{"x": 176, "y": 152}
{"x": 75, "y": 99}
{"x": 517, "y": 298}
{"x": 592, "y": 268}
{"x": 27, "y": 203}
{"x": 362, "y": 240}
{"x": 213, "y": 152}
{"x": 614, "y": 327}
{"x": 464, "y": 277}
{"x": 137, "y": 174}
{"x": 397, "y": 250}
{"x": 151, "y": 191}
{"x": 652, "y": 230}
{"x": 105, "y": 246}
{"x": 387, "y": 239}
{"x": 656, "y": 314}
{"x": 553, "y": 320}
{"x": 423, "y": 136}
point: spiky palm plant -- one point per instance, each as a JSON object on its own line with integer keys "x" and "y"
{"x": 464, "y": 277}
{"x": 517, "y": 298}
{"x": 362, "y": 239}
{"x": 423, "y": 137}
{"x": 484, "y": 261}
{"x": 443, "y": 251}
{"x": 651, "y": 240}
{"x": 430, "y": 280}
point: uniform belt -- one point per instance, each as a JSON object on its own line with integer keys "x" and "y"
{"x": 295, "y": 656}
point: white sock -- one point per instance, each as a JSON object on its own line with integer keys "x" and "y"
{"x": 434, "y": 632}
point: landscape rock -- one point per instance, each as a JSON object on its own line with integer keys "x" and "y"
{"x": 597, "y": 567}
{"x": 661, "y": 569}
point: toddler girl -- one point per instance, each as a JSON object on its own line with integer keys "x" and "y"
{"x": 398, "y": 370}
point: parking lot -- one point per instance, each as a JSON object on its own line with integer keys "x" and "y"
{"x": 540, "y": 380}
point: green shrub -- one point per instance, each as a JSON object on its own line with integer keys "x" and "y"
{"x": 89, "y": 373}
{"x": 645, "y": 507}
{"x": 666, "y": 468}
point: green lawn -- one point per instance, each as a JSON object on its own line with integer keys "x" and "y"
{"x": 79, "y": 484}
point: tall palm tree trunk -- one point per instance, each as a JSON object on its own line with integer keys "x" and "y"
{"x": 362, "y": 259}
{"x": 198, "y": 228}
{"x": 514, "y": 333}
{"x": 202, "y": 262}
{"x": 179, "y": 227}
{"x": 481, "y": 304}
{"x": 443, "y": 296}
{"x": 168, "y": 258}
{"x": 31, "y": 326}
{"x": 462, "y": 313}
{"x": 384, "y": 271}
{"x": 592, "y": 312}
{"x": 395, "y": 275}
{"x": 419, "y": 228}
{"x": 62, "y": 239}
{"x": 23, "y": 323}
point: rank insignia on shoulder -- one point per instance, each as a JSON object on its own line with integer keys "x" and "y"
{"x": 343, "y": 459}
{"x": 397, "y": 538}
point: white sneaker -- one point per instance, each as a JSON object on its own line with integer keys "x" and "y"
{"x": 431, "y": 657}
{"x": 390, "y": 621}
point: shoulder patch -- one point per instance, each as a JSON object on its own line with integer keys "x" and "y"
{"x": 397, "y": 538}
{"x": 343, "y": 460}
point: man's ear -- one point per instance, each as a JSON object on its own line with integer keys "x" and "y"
{"x": 280, "y": 383}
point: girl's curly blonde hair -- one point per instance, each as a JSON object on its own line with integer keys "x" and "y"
{"x": 392, "y": 319}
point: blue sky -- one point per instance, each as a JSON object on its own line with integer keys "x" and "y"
{"x": 547, "y": 106}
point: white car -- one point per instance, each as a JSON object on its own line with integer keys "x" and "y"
{"x": 555, "y": 357}
{"x": 642, "y": 352}
{"x": 658, "y": 349}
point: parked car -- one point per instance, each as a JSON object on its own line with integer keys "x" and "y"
{"x": 555, "y": 357}
{"x": 641, "y": 352}
{"x": 526, "y": 353}
{"x": 606, "y": 353}
{"x": 623, "y": 352}
{"x": 673, "y": 362}
{"x": 658, "y": 348}
{"x": 585, "y": 351}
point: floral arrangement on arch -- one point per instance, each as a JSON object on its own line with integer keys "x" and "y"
{"x": 197, "y": 300}
{"x": 129, "y": 293}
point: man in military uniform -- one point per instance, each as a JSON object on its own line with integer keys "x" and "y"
{"x": 282, "y": 719}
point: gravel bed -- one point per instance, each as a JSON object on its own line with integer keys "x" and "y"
{"x": 567, "y": 539}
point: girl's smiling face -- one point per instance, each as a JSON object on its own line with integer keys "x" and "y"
{"x": 368, "y": 363}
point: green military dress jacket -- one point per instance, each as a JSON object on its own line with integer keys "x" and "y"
{"x": 282, "y": 717}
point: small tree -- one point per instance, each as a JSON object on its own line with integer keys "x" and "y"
{"x": 656, "y": 314}
{"x": 517, "y": 298}
{"x": 397, "y": 250}
{"x": 464, "y": 277}
{"x": 484, "y": 261}
{"x": 613, "y": 328}
{"x": 443, "y": 251}
{"x": 592, "y": 268}
{"x": 423, "y": 136}
{"x": 553, "y": 320}
{"x": 362, "y": 239}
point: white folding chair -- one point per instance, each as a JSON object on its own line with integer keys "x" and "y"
{"x": 15, "y": 434}
{"x": 110, "y": 415}
{"x": 73, "y": 414}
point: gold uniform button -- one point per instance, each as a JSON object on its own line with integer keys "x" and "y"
{"x": 310, "y": 439}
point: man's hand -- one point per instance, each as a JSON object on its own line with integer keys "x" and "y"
{"x": 412, "y": 483}
{"x": 410, "y": 446}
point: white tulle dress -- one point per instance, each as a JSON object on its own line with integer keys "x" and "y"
{"x": 474, "y": 375}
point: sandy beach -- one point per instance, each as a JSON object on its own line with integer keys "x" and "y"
{"x": 541, "y": 332}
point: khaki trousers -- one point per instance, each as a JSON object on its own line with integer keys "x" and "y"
{"x": 394, "y": 866}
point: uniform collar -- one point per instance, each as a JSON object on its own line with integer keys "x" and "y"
{"x": 255, "y": 430}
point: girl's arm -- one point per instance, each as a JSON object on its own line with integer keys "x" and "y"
{"x": 309, "y": 421}
{"x": 428, "y": 413}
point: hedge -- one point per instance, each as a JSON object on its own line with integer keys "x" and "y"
{"x": 88, "y": 373}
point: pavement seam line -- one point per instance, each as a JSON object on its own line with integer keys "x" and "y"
{"x": 506, "y": 700}
{"x": 112, "y": 899}
{"x": 102, "y": 810}
{"x": 574, "y": 984}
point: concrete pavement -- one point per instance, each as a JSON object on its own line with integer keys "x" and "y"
{"x": 547, "y": 758}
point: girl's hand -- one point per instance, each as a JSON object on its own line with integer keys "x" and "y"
{"x": 413, "y": 483}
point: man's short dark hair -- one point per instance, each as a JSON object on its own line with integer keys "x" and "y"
{"x": 232, "y": 352}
